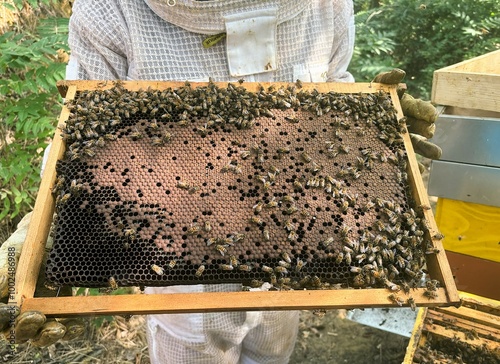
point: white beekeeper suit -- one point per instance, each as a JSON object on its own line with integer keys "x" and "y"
{"x": 265, "y": 41}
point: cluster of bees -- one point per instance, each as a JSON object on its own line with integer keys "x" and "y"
{"x": 444, "y": 350}
{"x": 311, "y": 217}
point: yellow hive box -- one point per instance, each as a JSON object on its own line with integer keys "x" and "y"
{"x": 469, "y": 228}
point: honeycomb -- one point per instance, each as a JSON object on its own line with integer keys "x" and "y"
{"x": 215, "y": 184}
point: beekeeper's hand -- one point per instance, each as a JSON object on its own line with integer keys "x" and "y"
{"x": 30, "y": 325}
{"x": 420, "y": 116}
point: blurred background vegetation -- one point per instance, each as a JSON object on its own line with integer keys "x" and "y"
{"x": 417, "y": 36}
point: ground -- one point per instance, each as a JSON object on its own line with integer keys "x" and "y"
{"x": 330, "y": 339}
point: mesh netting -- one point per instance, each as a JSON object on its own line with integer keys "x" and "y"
{"x": 216, "y": 185}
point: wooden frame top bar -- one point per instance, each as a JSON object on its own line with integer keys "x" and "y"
{"x": 33, "y": 251}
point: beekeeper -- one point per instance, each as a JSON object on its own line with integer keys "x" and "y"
{"x": 225, "y": 40}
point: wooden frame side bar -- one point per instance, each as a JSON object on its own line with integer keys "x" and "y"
{"x": 437, "y": 264}
{"x": 32, "y": 254}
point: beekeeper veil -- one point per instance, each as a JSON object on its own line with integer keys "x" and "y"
{"x": 248, "y": 26}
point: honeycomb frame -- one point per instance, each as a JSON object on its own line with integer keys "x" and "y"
{"x": 286, "y": 269}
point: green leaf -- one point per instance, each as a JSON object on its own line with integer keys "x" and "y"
{"x": 6, "y": 208}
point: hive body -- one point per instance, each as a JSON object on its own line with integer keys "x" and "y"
{"x": 210, "y": 185}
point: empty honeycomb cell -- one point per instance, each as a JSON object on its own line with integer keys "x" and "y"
{"x": 176, "y": 181}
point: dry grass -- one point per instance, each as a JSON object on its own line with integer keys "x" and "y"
{"x": 117, "y": 341}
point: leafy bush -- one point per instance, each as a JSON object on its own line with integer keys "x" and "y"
{"x": 30, "y": 66}
{"x": 421, "y": 37}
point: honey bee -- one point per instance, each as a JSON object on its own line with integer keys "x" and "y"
{"x": 424, "y": 207}
{"x": 355, "y": 269}
{"x": 283, "y": 150}
{"x": 300, "y": 264}
{"x": 89, "y": 152}
{"x": 286, "y": 257}
{"x": 265, "y": 235}
{"x": 182, "y": 185}
{"x": 200, "y": 271}
{"x": 272, "y": 203}
{"x": 244, "y": 154}
{"x": 344, "y": 206}
{"x": 348, "y": 258}
{"x": 130, "y": 234}
{"x": 166, "y": 137}
{"x": 245, "y": 267}
{"x": 234, "y": 261}
{"x": 315, "y": 281}
{"x": 343, "y": 149}
{"x": 211, "y": 241}
{"x": 157, "y": 269}
{"x": 411, "y": 302}
{"x": 226, "y": 267}
{"x": 438, "y": 236}
{"x": 202, "y": 130}
{"x": 297, "y": 185}
{"x": 235, "y": 237}
{"x": 193, "y": 230}
{"x": 207, "y": 226}
{"x": 344, "y": 230}
{"x": 260, "y": 157}
{"x": 221, "y": 249}
{"x": 193, "y": 189}
{"x": 258, "y": 207}
{"x": 289, "y": 225}
{"x": 305, "y": 157}
{"x": 153, "y": 125}
{"x": 256, "y": 220}
{"x": 292, "y": 236}
{"x": 396, "y": 299}
{"x": 136, "y": 134}
{"x": 304, "y": 213}
{"x": 281, "y": 270}
{"x": 292, "y": 119}
{"x": 432, "y": 285}
{"x": 430, "y": 294}
{"x": 110, "y": 137}
{"x": 328, "y": 242}
{"x": 112, "y": 283}
{"x": 75, "y": 187}
{"x": 267, "y": 269}
{"x": 100, "y": 142}
{"x": 274, "y": 170}
{"x": 340, "y": 258}
{"x": 291, "y": 210}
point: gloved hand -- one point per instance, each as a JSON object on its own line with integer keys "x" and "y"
{"x": 420, "y": 116}
{"x": 30, "y": 325}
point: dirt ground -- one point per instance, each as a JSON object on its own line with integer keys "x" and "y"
{"x": 330, "y": 339}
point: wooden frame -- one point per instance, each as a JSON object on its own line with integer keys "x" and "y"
{"x": 473, "y": 84}
{"x": 476, "y": 313}
{"x": 31, "y": 257}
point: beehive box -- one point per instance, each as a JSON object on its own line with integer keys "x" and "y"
{"x": 468, "y": 334}
{"x": 471, "y": 84}
{"x": 312, "y": 188}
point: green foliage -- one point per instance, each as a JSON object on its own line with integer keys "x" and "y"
{"x": 29, "y": 70}
{"x": 421, "y": 37}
